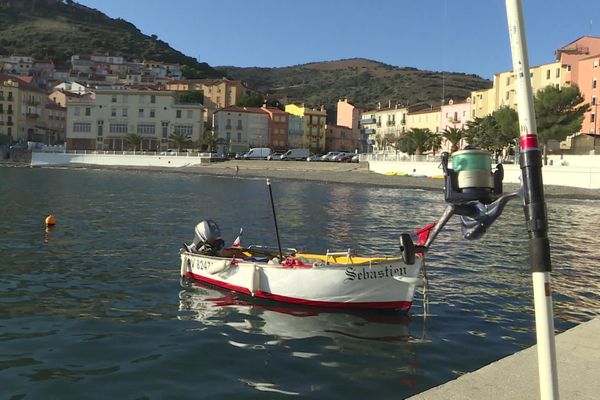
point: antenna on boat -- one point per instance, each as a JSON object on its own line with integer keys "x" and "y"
{"x": 275, "y": 219}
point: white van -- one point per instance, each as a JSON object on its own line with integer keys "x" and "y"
{"x": 257, "y": 153}
{"x": 295, "y": 154}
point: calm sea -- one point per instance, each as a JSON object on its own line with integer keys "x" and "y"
{"x": 93, "y": 308}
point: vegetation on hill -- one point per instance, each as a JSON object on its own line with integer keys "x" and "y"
{"x": 363, "y": 82}
{"x": 55, "y": 30}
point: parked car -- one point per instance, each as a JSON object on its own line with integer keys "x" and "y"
{"x": 314, "y": 157}
{"x": 295, "y": 154}
{"x": 257, "y": 153}
{"x": 329, "y": 156}
{"x": 344, "y": 157}
{"x": 355, "y": 158}
{"x": 274, "y": 156}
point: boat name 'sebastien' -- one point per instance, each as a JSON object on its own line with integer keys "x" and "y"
{"x": 389, "y": 272}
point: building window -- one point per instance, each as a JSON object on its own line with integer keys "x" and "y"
{"x": 113, "y": 98}
{"x": 594, "y": 84}
{"x": 592, "y": 117}
{"x": 507, "y": 80}
{"x": 239, "y": 134}
{"x": 84, "y": 127}
{"x": 146, "y": 129}
{"x": 113, "y": 112}
{"x": 548, "y": 74}
{"x": 558, "y": 72}
{"x": 507, "y": 95}
{"x": 117, "y": 128}
{"x": 184, "y": 129}
{"x": 593, "y": 100}
{"x": 124, "y": 112}
{"x": 77, "y": 111}
{"x": 153, "y": 99}
{"x": 228, "y": 137}
{"x": 178, "y": 114}
{"x": 141, "y": 112}
{"x": 88, "y": 111}
{"x": 152, "y": 113}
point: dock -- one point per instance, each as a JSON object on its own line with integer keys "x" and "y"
{"x": 516, "y": 376}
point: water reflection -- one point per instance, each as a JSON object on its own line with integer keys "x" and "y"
{"x": 212, "y": 306}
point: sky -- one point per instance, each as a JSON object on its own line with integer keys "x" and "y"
{"x": 468, "y": 36}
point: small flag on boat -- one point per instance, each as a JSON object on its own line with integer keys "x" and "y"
{"x": 238, "y": 241}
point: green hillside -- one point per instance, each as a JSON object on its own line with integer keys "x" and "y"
{"x": 53, "y": 29}
{"x": 364, "y": 82}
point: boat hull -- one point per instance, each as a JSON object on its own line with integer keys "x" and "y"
{"x": 384, "y": 284}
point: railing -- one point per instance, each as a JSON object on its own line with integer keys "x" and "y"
{"x": 140, "y": 153}
{"x": 387, "y": 156}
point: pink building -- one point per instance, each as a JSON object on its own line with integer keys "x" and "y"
{"x": 348, "y": 115}
{"x": 455, "y": 114}
{"x": 589, "y": 85}
{"x": 340, "y": 138}
{"x": 578, "y": 49}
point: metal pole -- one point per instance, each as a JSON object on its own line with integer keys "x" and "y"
{"x": 275, "y": 219}
{"x": 534, "y": 205}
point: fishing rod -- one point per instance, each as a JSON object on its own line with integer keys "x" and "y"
{"x": 534, "y": 205}
{"x": 275, "y": 219}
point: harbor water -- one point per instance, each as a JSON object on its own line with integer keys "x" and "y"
{"x": 93, "y": 308}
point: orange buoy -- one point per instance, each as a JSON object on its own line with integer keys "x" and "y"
{"x": 50, "y": 220}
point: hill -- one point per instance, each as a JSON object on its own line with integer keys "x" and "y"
{"x": 55, "y": 30}
{"x": 364, "y": 82}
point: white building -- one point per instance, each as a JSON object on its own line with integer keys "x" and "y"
{"x": 239, "y": 128}
{"x": 383, "y": 126}
{"x": 106, "y": 122}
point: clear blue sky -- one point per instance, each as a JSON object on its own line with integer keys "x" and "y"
{"x": 452, "y": 35}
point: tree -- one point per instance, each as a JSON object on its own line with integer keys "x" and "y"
{"x": 507, "y": 121}
{"x": 208, "y": 139}
{"x": 453, "y": 135}
{"x": 559, "y": 113}
{"x": 252, "y": 99}
{"x": 421, "y": 138}
{"x": 179, "y": 139}
{"x": 134, "y": 140}
{"x": 435, "y": 142}
{"x": 482, "y": 133}
{"x": 191, "y": 97}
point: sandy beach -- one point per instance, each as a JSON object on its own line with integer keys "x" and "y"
{"x": 346, "y": 173}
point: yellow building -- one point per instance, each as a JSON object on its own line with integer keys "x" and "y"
{"x": 21, "y": 108}
{"x": 503, "y": 93}
{"x": 313, "y": 124}
{"x": 428, "y": 118}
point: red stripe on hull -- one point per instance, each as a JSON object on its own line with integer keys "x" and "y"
{"x": 390, "y": 305}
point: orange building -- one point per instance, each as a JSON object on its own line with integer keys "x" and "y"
{"x": 278, "y": 128}
{"x": 589, "y": 85}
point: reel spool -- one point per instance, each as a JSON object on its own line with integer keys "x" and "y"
{"x": 471, "y": 177}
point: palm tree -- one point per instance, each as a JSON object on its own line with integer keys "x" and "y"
{"x": 134, "y": 140}
{"x": 180, "y": 139}
{"x": 209, "y": 139}
{"x": 453, "y": 135}
{"x": 421, "y": 138}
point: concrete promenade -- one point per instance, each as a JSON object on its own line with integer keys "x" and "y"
{"x": 516, "y": 376}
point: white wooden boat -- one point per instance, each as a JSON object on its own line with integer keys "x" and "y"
{"x": 340, "y": 280}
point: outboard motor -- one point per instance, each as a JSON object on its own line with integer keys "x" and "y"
{"x": 207, "y": 239}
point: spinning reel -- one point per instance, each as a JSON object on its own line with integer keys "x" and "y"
{"x": 472, "y": 191}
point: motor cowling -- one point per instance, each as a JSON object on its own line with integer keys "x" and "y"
{"x": 207, "y": 238}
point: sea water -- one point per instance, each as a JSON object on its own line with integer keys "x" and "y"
{"x": 93, "y": 308}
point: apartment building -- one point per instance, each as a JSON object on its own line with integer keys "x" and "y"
{"x": 589, "y": 85}
{"x": 454, "y": 114}
{"x": 220, "y": 93}
{"x": 55, "y": 122}
{"x": 429, "y": 118}
{"x": 349, "y": 116}
{"x": 238, "y": 129}
{"x": 313, "y": 126}
{"x": 105, "y": 122}
{"x": 278, "y": 128}
{"x": 341, "y": 138}
{"x": 383, "y": 126}
{"x": 21, "y": 106}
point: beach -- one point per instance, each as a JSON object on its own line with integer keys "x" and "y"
{"x": 329, "y": 172}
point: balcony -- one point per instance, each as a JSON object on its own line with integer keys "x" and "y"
{"x": 403, "y": 122}
{"x": 369, "y": 131}
{"x": 9, "y": 123}
{"x": 9, "y": 111}
{"x": 391, "y": 123}
{"x": 9, "y": 98}
{"x": 33, "y": 103}
{"x": 367, "y": 121}
{"x": 31, "y": 115}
